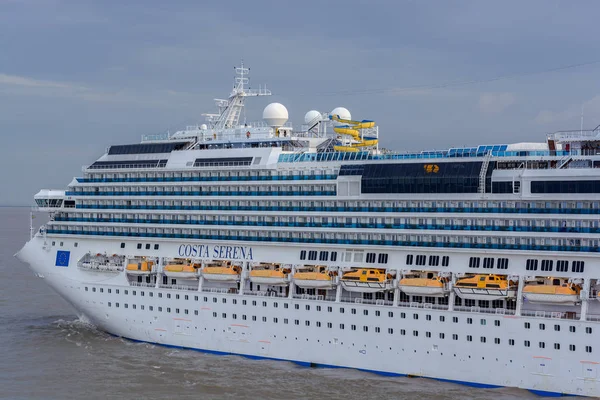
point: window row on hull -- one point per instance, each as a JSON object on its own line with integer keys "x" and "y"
{"x": 501, "y": 243}
{"x": 227, "y": 206}
{"x": 245, "y": 221}
{"x": 210, "y": 179}
{"x": 323, "y": 192}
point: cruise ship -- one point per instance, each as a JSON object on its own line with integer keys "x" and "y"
{"x": 475, "y": 265}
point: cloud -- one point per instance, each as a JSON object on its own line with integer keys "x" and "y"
{"x": 26, "y": 86}
{"x": 14, "y": 80}
{"x": 591, "y": 108}
{"x": 494, "y": 103}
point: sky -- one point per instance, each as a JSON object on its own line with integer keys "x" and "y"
{"x": 78, "y": 76}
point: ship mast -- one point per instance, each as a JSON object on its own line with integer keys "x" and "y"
{"x": 231, "y": 109}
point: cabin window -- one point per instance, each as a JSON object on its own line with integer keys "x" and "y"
{"x": 556, "y": 346}
{"x": 488, "y": 262}
{"x": 139, "y": 246}
{"x": 572, "y": 329}
{"x": 469, "y": 338}
{"x": 303, "y": 254}
{"x": 562, "y": 266}
{"x": 428, "y": 334}
{"x": 409, "y": 257}
{"x": 527, "y": 325}
{"x": 577, "y": 266}
{"x": 334, "y": 256}
{"x": 156, "y": 247}
{"x": 502, "y": 263}
{"x": 382, "y": 258}
{"x": 474, "y": 262}
{"x": 497, "y": 340}
{"x": 547, "y": 265}
{"x": 312, "y": 255}
{"x": 454, "y": 336}
{"x": 370, "y": 258}
{"x": 122, "y": 245}
{"x": 588, "y": 349}
{"x": 531, "y": 265}
{"x": 527, "y": 343}
{"x": 588, "y": 330}
{"x": 511, "y": 342}
{"x": 542, "y": 327}
{"x": 445, "y": 261}
{"x": 323, "y": 255}
{"x": 572, "y": 347}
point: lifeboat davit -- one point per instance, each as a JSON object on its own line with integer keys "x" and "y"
{"x": 366, "y": 280}
{"x": 182, "y": 271}
{"x": 314, "y": 278}
{"x": 566, "y": 294}
{"x": 222, "y": 273}
{"x": 270, "y": 275}
{"x": 142, "y": 267}
{"x": 436, "y": 286}
{"x": 485, "y": 287}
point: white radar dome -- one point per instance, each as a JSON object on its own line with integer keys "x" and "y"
{"x": 342, "y": 113}
{"x": 203, "y": 127}
{"x": 311, "y": 115}
{"x": 275, "y": 115}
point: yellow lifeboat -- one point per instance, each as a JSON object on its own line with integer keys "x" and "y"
{"x": 141, "y": 267}
{"x": 420, "y": 286}
{"x": 222, "y": 273}
{"x": 182, "y": 271}
{"x": 366, "y": 280}
{"x": 314, "y": 277}
{"x": 565, "y": 294}
{"x": 485, "y": 287}
{"x": 270, "y": 274}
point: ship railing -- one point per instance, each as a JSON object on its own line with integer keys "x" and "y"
{"x": 550, "y": 314}
{"x": 142, "y": 284}
{"x": 220, "y": 290}
{"x": 265, "y": 294}
{"x": 427, "y": 306}
{"x": 179, "y": 287}
{"x": 593, "y": 317}
{"x": 305, "y": 296}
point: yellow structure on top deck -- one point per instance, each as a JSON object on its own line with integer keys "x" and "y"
{"x": 352, "y": 128}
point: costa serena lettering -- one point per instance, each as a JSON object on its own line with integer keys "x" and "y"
{"x": 216, "y": 251}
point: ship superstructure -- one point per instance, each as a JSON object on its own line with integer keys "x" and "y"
{"x": 477, "y": 265}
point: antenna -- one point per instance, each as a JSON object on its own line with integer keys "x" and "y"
{"x": 231, "y": 110}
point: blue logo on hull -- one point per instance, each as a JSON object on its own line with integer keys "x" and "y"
{"x": 62, "y": 258}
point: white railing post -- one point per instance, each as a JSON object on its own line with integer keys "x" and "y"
{"x": 201, "y": 279}
{"x": 451, "y": 294}
{"x": 338, "y": 290}
{"x": 585, "y": 298}
{"x": 520, "y": 296}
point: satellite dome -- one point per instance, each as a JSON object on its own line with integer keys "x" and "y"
{"x": 275, "y": 115}
{"x": 310, "y": 116}
{"x": 342, "y": 113}
{"x": 203, "y": 127}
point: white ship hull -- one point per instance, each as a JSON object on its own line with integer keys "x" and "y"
{"x": 568, "y": 299}
{"x": 412, "y": 353}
